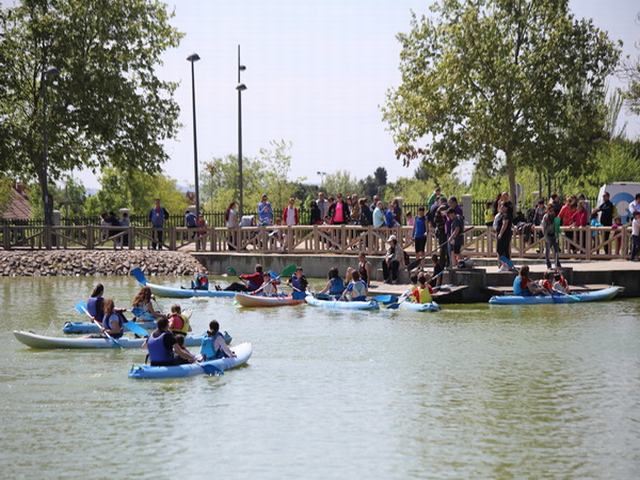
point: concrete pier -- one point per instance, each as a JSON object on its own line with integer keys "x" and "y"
{"x": 481, "y": 281}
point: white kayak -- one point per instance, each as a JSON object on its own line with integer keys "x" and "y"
{"x": 43, "y": 342}
{"x": 243, "y": 352}
{"x": 340, "y": 305}
{"x": 419, "y": 307}
{"x": 177, "y": 292}
{"x": 246, "y": 300}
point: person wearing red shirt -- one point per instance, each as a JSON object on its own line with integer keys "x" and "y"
{"x": 291, "y": 214}
{"x": 253, "y": 281}
{"x": 566, "y": 215}
{"x": 580, "y": 218}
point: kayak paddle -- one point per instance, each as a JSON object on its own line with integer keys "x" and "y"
{"x": 82, "y": 308}
{"x": 139, "y": 275}
{"x": 385, "y": 299}
{"x": 232, "y": 271}
{"x": 137, "y": 329}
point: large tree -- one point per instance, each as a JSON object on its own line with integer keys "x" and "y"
{"x": 106, "y": 106}
{"x": 499, "y": 82}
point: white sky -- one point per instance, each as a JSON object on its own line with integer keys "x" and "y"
{"x": 317, "y": 72}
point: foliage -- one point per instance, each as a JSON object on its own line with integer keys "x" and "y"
{"x": 632, "y": 95}
{"x": 106, "y": 107}
{"x": 340, "y": 181}
{"x": 136, "y": 191}
{"x": 268, "y": 173}
{"x": 69, "y": 196}
{"x": 504, "y": 83}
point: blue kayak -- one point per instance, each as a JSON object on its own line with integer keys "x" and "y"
{"x": 86, "y": 327}
{"x": 243, "y": 352}
{"x": 339, "y": 305}
{"x": 595, "y": 296}
{"x": 177, "y": 292}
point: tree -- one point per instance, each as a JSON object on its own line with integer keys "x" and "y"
{"x": 632, "y": 95}
{"x": 136, "y": 191}
{"x": 107, "y": 105}
{"x": 380, "y": 174}
{"x": 499, "y": 82}
{"x": 340, "y": 181}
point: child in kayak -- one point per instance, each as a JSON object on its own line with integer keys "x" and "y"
{"x": 142, "y": 307}
{"x": 334, "y": 286}
{"x": 184, "y": 355}
{"x": 560, "y": 283}
{"x": 214, "y": 345}
{"x": 298, "y": 283}
{"x": 112, "y": 321}
{"x": 200, "y": 281}
{"x": 96, "y": 302}
{"x": 524, "y": 286}
{"x": 269, "y": 286}
{"x": 422, "y": 293}
{"x": 178, "y": 323}
{"x": 356, "y": 291}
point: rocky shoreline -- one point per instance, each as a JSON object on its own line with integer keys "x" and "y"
{"x": 81, "y": 263}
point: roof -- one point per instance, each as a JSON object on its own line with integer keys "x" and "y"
{"x": 18, "y": 207}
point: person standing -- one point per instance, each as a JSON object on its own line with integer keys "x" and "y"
{"x": 606, "y": 209}
{"x": 433, "y": 198}
{"x": 551, "y": 231}
{"x": 635, "y": 236}
{"x": 391, "y": 262}
{"x": 323, "y": 205}
{"x": 157, "y": 216}
{"x": 265, "y": 211}
{"x": 504, "y": 231}
{"x": 420, "y": 233}
{"x": 315, "y": 217}
{"x": 378, "y": 215}
{"x": 340, "y": 211}
{"x": 291, "y": 214}
{"x": 190, "y": 221}
{"x": 634, "y": 207}
{"x": 456, "y": 236}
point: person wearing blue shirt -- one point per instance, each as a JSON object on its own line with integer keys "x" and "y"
{"x": 420, "y": 233}
{"x": 265, "y": 211}
{"x": 356, "y": 291}
{"x": 157, "y": 217}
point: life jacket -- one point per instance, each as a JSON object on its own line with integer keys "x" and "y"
{"x": 201, "y": 282}
{"x": 157, "y": 350}
{"x": 299, "y": 283}
{"x": 179, "y": 324}
{"x": 110, "y": 322}
{"x": 94, "y": 307}
{"x": 336, "y": 287}
{"x": 207, "y": 348}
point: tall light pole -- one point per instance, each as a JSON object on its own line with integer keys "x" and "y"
{"x": 194, "y": 57}
{"x": 322, "y": 175}
{"x": 44, "y": 180}
{"x": 240, "y": 88}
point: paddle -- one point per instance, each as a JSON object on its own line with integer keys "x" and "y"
{"x": 385, "y": 299}
{"x": 139, "y": 275}
{"x": 137, "y": 329}
{"x": 564, "y": 294}
{"x": 406, "y": 295}
{"x": 81, "y": 307}
{"x": 286, "y": 272}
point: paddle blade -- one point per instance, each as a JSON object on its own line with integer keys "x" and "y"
{"x": 289, "y": 270}
{"x": 81, "y": 308}
{"x": 135, "y": 328}
{"x": 212, "y": 370}
{"x": 393, "y": 306}
{"x": 232, "y": 271}
{"x": 139, "y": 275}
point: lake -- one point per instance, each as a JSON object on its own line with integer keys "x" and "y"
{"x": 470, "y": 392}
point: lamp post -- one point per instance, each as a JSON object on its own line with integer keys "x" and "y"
{"x": 322, "y": 175}
{"x": 194, "y": 57}
{"x": 240, "y": 88}
{"x": 44, "y": 177}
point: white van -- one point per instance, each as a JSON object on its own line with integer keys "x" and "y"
{"x": 622, "y": 194}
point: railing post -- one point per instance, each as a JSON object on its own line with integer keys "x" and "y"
{"x": 6, "y": 237}
{"x": 588, "y": 242}
{"x": 172, "y": 239}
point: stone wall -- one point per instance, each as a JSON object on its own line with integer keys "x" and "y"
{"x": 96, "y": 262}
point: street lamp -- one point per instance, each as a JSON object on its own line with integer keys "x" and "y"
{"x": 240, "y": 88}
{"x": 50, "y": 73}
{"x": 322, "y": 175}
{"x": 194, "y": 57}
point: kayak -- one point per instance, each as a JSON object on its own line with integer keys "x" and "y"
{"x": 595, "y": 296}
{"x": 419, "y": 307}
{"x": 243, "y": 352}
{"x": 177, "y": 292}
{"x": 247, "y": 300}
{"x": 86, "y": 327}
{"x": 33, "y": 340}
{"x": 338, "y": 305}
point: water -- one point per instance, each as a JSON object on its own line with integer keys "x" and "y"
{"x": 471, "y": 392}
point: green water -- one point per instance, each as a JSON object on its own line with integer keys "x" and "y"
{"x": 471, "y": 392}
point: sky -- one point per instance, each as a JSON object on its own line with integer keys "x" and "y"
{"x": 317, "y": 73}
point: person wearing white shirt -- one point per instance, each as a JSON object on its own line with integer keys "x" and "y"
{"x": 378, "y": 216}
{"x": 634, "y": 207}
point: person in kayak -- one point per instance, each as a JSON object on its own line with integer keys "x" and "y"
{"x": 185, "y": 355}
{"x": 200, "y": 281}
{"x": 560, "y": 283}
{"x": 422, "y": 293}
{"x": 299, "y": 284}
{"x": 214, "y": 345}
{"x": 253, "y": 281}
{"x": 269, "y": 286}
{"x": 178, "y": 323}
{"x": 524, "y": 286}
{"x": 112, "y": 320}
{"x": 142, "y": 307}
{"x": 95, "y": 303}
{"x": 356, "y": 291}
{"x": 335, "y": 284}
{"x": 163, "y": 347}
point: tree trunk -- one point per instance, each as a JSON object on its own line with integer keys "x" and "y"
{"x": 46, "y": 202}
{"x": 511, "y": 174}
